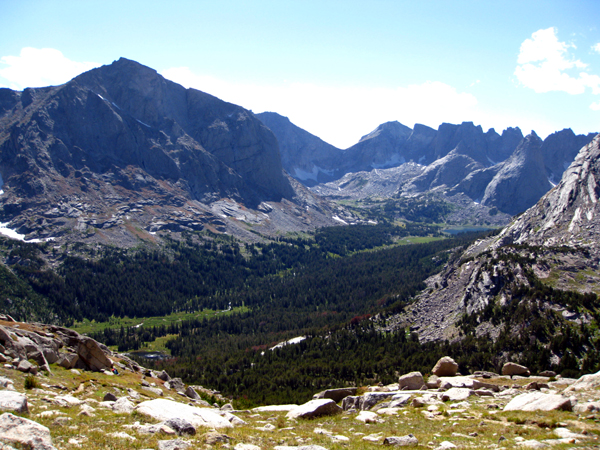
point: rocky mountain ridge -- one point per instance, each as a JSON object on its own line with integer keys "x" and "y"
{"x": 119, "y": 153}
{"x": 508, "y": 172}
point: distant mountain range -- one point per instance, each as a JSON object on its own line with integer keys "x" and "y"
{"x": 119, "y": 154}
{"x": 506, "y": 171}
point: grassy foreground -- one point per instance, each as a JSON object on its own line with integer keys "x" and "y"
{"x": 477, "y": 424}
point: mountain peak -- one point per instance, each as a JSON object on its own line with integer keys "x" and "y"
{"x": 570, "y": 213}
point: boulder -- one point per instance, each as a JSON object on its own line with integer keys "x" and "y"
{"x": 176, "y": 444}
{"x": 181, "y": 426}
{"x": 191, "y": 393}
{"x": 25, "y": 432}
{"x": 538, "y": 401}
{"x": 456, "y": 394}
{"x": 92, "y": 355}
{"x": 586, "y": 382}
{"x": 336, "y": 395}
{"x": 123, "y": 406}
{"x": 26, "y": 367}
{"x": 412, "y": 381}
{"x": 154, "y": 390}
{"x": 109, "y": 397}
{"x": 176, "y": 384}
{"x": 369, "y": 417}
{"x": 433, "y": 382}
{"x": 547, "y": 373}
{"x": 13, "y": 401}
{"x": 511, "y": 369}
{"x": 445, "y": 367}
{"x": 66, "y": 401}
{"x": 162, "y": 410}
{"x": 588, "y": 407}
{"x": 399, "y": 400}
{"x": 314, "y": 408}
{"x": 401, "y": 441}
{"x": 164, "y": 376}
{"x": 68, "y": 360}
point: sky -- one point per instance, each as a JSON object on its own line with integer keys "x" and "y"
{"x": 338, "y": 69}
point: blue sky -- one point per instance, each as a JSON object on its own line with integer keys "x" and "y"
{"x": 335, "y": 68}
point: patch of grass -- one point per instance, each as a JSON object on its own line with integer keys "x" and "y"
{"x": 87, "y": 326}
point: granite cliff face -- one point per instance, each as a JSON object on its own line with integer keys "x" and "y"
{"x": 555, "y": 242}
{"x": 123, "y": 150}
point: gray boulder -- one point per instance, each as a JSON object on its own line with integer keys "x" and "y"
{"x": 13, "y": 401}
{"x": 445, "y": 367}
{"x": 191, "y": 393}
{"x": 401, "y": 441}
{"x": 163, "y": 409}
{"x": 314, "y": 408}
{"x": 456, "y": 394}
{"x": 181, "y": 426}
{"x": 176, "y": 444}
{"x": 511, "y": 369}
{"x": 25, "y": 432}
{"x": 412, "y": 381}
{"x": 93, "y": 355}
{"x": 336, "y": 395}
{"x": 538, "y": 401}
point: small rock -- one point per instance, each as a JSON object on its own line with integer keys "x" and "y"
{"x": 109, "y": 397}
{"x": 176, "y": 444}
{"x": 212, "y": 438}
{"x": 401, "y": 441}
{"x": 181, "y": 426}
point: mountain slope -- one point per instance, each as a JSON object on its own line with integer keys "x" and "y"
{"x": 119, "y": 153}
{"x": 553, "y": 246}
{"x": 306, "y": 157}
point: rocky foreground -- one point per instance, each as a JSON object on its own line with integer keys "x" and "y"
{"x": 123, "y": 405}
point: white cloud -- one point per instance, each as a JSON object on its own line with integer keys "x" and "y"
{"x": 596, "y": 47}
{"x": 544, "y": 65}
{"x": 341, "y": 115}
{"x": 39, "y": 67}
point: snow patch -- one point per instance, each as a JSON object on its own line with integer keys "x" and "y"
{"x": 394, "y": 161}
{"x": 340, "y": 220}
{"x": 304, "y": 175}
{"x": 4, "y": 230}
{"x": 145, "y": 124}
{"x": 292, "y": 341}
{"x": 576, "y": 219}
